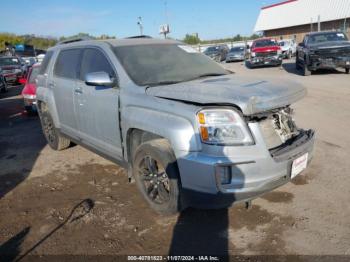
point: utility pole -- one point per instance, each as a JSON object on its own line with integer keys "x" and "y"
{"x": 311, "y": 25}
{"x": 319, "y": 23}
{"x": 166, "y": 31}
{"x": 139, "y": 23}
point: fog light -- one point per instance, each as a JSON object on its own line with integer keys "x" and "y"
{"x": 224, "y": 172}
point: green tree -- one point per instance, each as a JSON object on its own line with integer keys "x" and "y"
{"x": 254, "y": 36}
{"x": 237, "y": 38}
{"x": 191, "y": 39}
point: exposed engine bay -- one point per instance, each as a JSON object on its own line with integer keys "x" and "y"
{"x": 278, "y": 127}
{"x": 284, "y": 124}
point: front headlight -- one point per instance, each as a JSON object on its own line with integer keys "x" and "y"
{"x": 223, "y": 127}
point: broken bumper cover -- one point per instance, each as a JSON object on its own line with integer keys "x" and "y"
{"x": 329, "y": 63}
{"x": 203, "y": 186}
{"x": 264, "y": 61}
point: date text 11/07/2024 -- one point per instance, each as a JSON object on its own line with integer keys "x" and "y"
{"x": 173, "y": 258}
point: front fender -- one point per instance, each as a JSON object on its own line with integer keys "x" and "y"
{"x": 178, "y": 130}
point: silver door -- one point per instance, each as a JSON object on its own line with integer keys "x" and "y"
{"x": 98, "y": 107}
{"x": 63, "y": 83}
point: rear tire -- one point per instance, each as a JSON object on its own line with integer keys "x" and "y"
{"x": 157, "y": 176}
{"x": 55, "y": 140}
{"x": 347, "y": 70}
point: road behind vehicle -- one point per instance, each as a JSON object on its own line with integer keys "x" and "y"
{"x": 265, "y": 52}
{"x": 29, "y": 90}
{"x": 323, "y": 50}
{"x": 236, "y": 53}
{"x": 196, "y": 135}
{"x": 288, "y": 48}
{"x": 218, "y": 53}
{"x": 11, "y": 68}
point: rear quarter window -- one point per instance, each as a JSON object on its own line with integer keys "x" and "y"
{"x": 67, "y": 63}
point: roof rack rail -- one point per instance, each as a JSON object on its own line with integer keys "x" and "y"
{"x": 138, "y": 36}
{"x": 75, "y": 39}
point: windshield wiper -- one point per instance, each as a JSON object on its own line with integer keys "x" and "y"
{"x": 205, "y": 75}
{"x": 161, "y": 83}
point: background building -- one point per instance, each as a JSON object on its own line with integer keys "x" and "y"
{"x": 295, "y": 18}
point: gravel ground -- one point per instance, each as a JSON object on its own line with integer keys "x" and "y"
{"x": 75, "y": 202}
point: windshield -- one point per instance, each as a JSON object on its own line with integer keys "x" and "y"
{"x": 282, "y": 43}
{"x": 157, "y": 64}
{"x": 237, "y": 49}
{"x": 327, "y": 37}
{"x": 5, "y": 61}
{"x": 265, "y": 42}
{"x": 212, "y": 49}
{"x": 34, "y": 74}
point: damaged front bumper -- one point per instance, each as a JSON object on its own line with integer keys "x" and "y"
{"x": 266, "y": 61}
{"x": 319, "y": 62}
{"x": 240, "y": 173}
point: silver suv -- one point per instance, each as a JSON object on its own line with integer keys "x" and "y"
{"x": 189, "y": 132}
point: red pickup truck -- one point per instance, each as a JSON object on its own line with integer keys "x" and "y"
{"x": 265, "y": 51}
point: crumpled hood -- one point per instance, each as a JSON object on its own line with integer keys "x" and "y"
{"x": 252, "y": 96}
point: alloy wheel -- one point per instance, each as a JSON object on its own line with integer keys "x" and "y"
{"x": 154, "y": 180}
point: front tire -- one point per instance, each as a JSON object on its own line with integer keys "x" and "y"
{"x": 297, "y": 63}
{"x": 347, "y": 70}
{"x": 305, "y": 70}
{"x": 157, "y": 177}
{"x": 55, "y": 140}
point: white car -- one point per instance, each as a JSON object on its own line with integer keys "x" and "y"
{"x": 288, "y": 47}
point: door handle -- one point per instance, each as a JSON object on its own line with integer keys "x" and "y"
{"x": 78, "y": 91}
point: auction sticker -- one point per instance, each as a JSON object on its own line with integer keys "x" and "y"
{"x": 299, "y": 165}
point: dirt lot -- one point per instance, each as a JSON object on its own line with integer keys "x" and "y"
{"x": 39, "y": 188}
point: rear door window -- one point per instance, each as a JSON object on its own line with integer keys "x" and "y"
{"x": 45, "y": 63}
{"x": 95, "y": 61}
{"x": 67, "y": 63}
{"x": 33, "y": 75}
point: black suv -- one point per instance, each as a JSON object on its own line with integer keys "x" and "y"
{"x": 323, "y": 50}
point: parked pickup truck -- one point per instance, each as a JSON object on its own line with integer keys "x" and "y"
{"x": 323, "y": 50}
{"x": 11, "y": 68}
{"x": 264, "y": 52}
{"x": 189, "y": 132}
{"x": 288, "y": 47}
